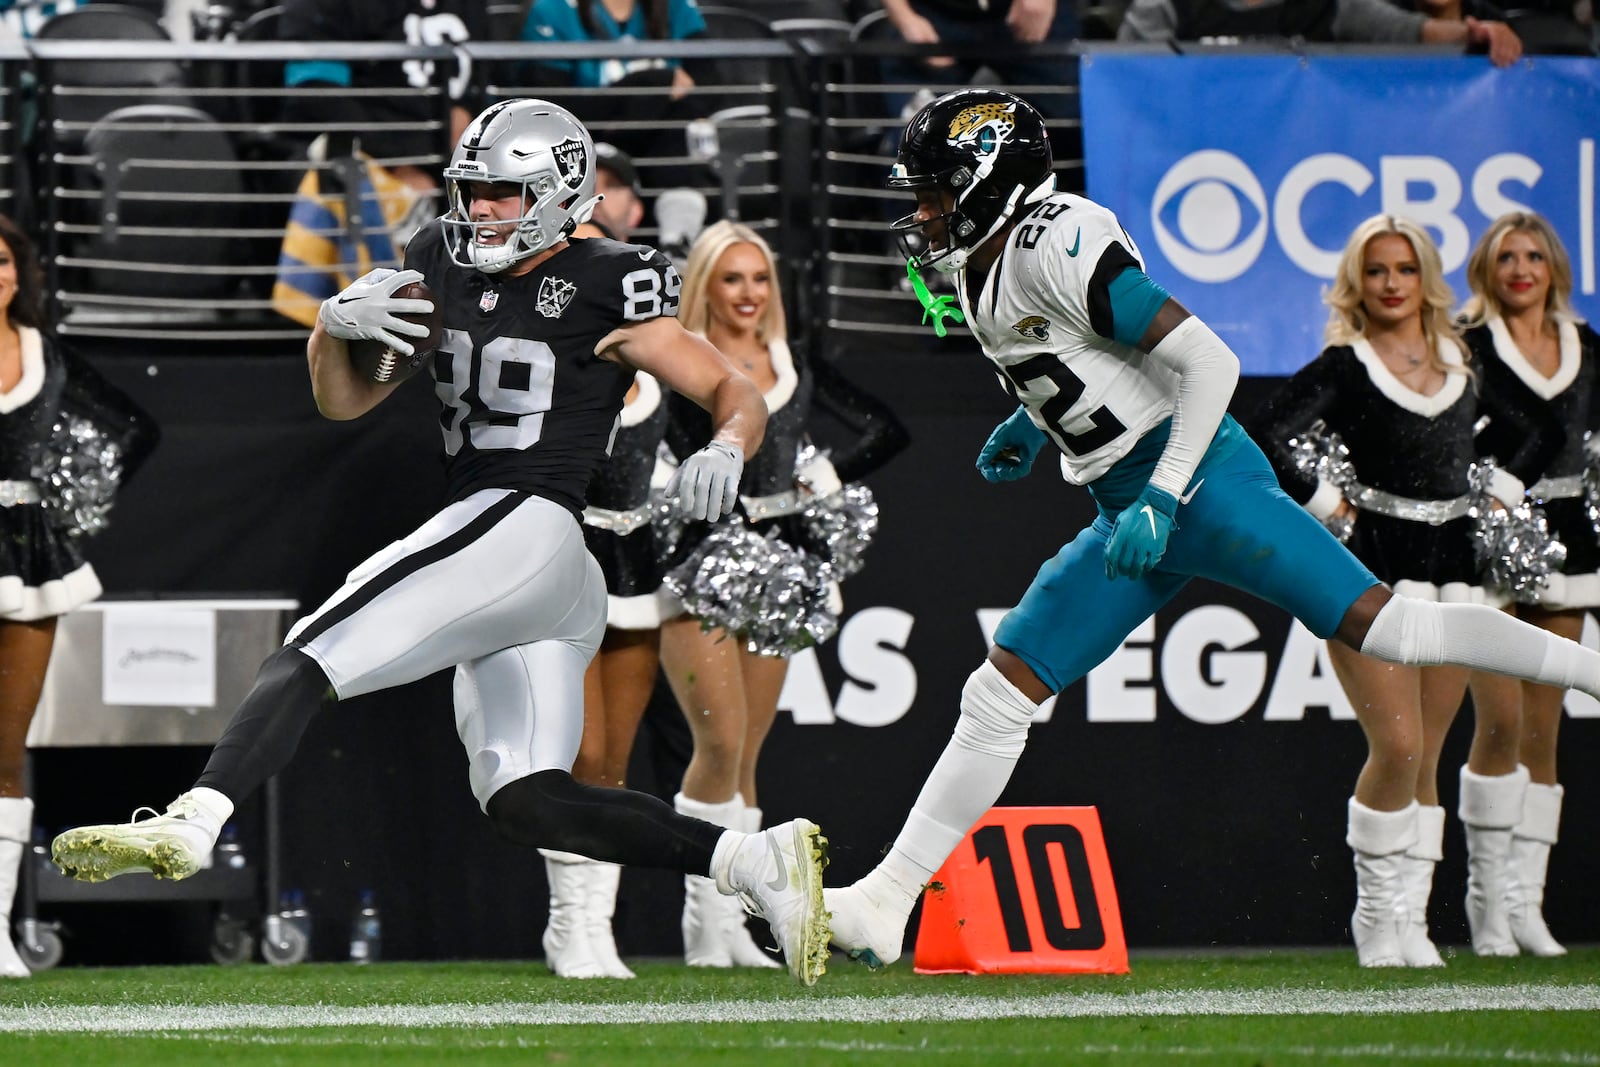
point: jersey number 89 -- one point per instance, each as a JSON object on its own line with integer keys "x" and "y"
{"x": 649, "y": 293}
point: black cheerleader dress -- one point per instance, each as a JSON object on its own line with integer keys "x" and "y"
{"x": 777, "y": 487}
{"x": 617, "y": 523}
{"x": 42, "y": 569}
{"x": 1570, "y": 397}
{"x": 1410, "y": 455}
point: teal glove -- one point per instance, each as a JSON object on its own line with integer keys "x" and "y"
{"x": 1139, "y": 537}
{"x": 1011, "y": 449}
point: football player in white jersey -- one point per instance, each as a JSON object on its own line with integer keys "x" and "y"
{"x": 540, "y": 342}
{"x": 1133, "y": 391}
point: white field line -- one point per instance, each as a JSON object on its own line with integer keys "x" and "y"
{"x": 908, "y": 1007}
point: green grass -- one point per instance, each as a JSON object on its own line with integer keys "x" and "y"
{"x": 1282, "y": 1007}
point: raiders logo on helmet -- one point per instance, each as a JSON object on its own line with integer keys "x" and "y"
{"x": 573, "y": 159}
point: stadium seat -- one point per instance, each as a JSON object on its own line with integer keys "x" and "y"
{"x": 123, "y": 232}
{"x": 80, "y": 92}
{"x": 260, "y": 76}
{"x": 1550, "y": 33}
{"x": 505, "y": 21}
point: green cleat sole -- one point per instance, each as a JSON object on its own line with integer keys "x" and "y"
{"x": 814, "y": 961}
{"x": 93, "y": 855}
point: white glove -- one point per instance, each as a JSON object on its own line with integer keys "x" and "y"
{"x": 706, "y": 486}
{"x": 368, "y": 309}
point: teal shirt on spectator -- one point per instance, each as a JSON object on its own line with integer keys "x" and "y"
{"x": 557, "y": 20}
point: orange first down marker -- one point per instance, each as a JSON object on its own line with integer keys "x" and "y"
{"x": 1028, "y": 891}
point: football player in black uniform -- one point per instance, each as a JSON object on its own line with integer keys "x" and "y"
{"x": 541, "y": 338}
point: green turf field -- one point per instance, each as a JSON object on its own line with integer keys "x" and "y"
{"x": 1282, "y": 1007}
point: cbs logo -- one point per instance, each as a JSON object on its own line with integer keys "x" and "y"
{"x": 1211, "y": 215}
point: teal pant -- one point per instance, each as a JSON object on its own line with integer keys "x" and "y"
{"x": 1234, "y": 526}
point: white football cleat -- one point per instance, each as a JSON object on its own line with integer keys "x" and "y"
{"x": 778, "y": 875}
{"x": 864, "y": 929}
{"x": 174, "y": 845}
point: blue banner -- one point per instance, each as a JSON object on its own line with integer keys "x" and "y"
{"x": 1241, "y": 177}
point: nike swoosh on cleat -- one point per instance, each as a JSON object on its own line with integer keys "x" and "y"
{"x": 780, "y": 881}
{"x": 1186, "y": 497}
{"x": 1152, "y": 517}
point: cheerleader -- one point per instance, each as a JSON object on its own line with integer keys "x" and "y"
{"x": 726, "y": 665}
{"x": 1528, "y": 343}
{"x": 1394, "y": 386}
{"x": 578, "y": 940}
{"x": 42, "y": 571}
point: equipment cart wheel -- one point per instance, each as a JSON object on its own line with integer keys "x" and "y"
{"x": 40, "y": 945}
{"x": 231, "y": 941}
{"x": 283, "y": 943}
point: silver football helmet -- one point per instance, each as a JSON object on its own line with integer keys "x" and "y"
{"x": 540, "y": 146}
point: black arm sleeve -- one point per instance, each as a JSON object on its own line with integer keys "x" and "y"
{"x": 1530, "y": 435}
{"x": 89, "y": 395}
{"x": 1304, "y": 398}
{"x": 879, "y": 435}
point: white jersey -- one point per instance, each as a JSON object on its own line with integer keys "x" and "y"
{"x": 1038, "y": 319}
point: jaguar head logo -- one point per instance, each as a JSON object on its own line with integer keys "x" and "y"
{"x": 1034, "y": 328}
{"x": 983, "y": 127}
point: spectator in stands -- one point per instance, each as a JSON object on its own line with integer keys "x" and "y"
{"x": 726, "y": 656}
{"x": 1527, "y": 341}
{"x": 622, "y": 209}
{"x": 357, "y": 161}
{"x": 21, "y": 19}
{"x": 625, "y": 20}
{"x": 1395, "y": 387}
{"x": 358, "y": 117}
{"x": 1478, "y": 28}
{"x": 42, "y": 571}
{"x": 983, "y": 22}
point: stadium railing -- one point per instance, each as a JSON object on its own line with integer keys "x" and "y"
{"x": 161, "y": 203}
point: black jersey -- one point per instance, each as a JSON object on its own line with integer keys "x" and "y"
{"x": 526, "y": 404}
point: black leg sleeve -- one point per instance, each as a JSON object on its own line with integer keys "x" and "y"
{"x": 263, "y": 734}
{"x": 552, "y": 810}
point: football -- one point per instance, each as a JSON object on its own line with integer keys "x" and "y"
{"x": 376, "y": 360}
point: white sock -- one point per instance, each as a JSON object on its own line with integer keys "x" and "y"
{"x": 965, "y": 783}
{"x": 1425, "y": 634}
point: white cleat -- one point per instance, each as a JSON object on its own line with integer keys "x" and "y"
{"x": 778, "y": 875}
{"x": 174, "y": 845}
{"x": 864, "y": 930}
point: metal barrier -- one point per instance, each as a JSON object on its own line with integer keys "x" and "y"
{"x": 166, "y": 173}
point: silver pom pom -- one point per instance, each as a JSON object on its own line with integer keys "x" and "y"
{"x": 1323, "y": 456}
{"x": 841, "y": 526}
{"x": 78, "y": 475}
{"x": 1514, "y": 545}
{"x": 772, "y": 596}
{"x": 1591, "y": 479}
